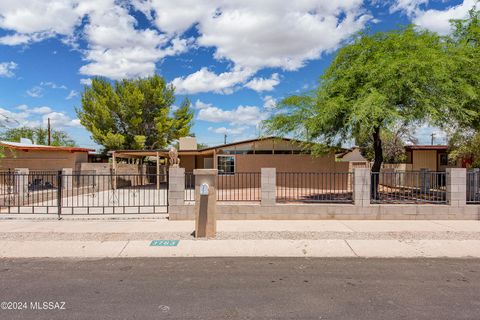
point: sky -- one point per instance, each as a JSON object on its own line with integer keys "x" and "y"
{"x": 234, "y": 59}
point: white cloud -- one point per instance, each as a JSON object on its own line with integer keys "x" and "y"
{"x": 60, "y": 120}
{"x": 251, "y": 34}
{"x": 52, "y": 85}
{"x": 41, "y": 110}
{"x": 263, "y": 84}
{"x": 201, "y": 105}
{"x": 35, "y": 92}
{"x": 434, "y": 20}
{"x": 72, "y": 94}
{"x": 229, "y": 131}
{"x": 7, "y": 68}
{"x": 86, "y": 82}
{"x": 258, "y": 34}
{"x": 242, "y": 115}
{"x": 269, "y": 102}
{"x": 205, "y": 80}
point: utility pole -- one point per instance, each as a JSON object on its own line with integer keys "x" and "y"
{"x": 49, "y": 132}
{"x": 225, "y": 138}
{"x": 433, "y": 137}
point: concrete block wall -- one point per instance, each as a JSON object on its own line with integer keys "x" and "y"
{"x": 456, "y": 187}
{"x": 176, "y": 190}
{"x": 268, "y": 186}
{"x": 361, "y": 187}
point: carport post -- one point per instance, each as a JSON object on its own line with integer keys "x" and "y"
{"x": 59, "y": 193}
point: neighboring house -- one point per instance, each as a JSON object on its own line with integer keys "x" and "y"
{"x": 431, "y": 157}
{"x": 40, "y": 157}
{"x": 286, "y": 155}
{"x": 352, "y": 154}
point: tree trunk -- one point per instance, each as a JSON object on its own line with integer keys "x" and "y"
{"x": 377, "y": 162}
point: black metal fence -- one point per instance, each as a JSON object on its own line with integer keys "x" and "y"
{"x": 83, "y": 193}
{"x": 326, "y": 187}
{"x": 189, "y": 186}
{"x": 240, "y": 186}
{"x": 409, "y": 187}
{"x": 473, "y": 187}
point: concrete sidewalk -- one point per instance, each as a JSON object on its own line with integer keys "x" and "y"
{"x": 259, "y": 238}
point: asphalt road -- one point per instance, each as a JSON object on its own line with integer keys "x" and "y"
{"x": 242, "y": 288}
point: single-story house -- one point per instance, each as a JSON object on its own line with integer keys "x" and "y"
{"x": 431, "y": 157}
{"x": 286, "y": 155}
{"x": 40, "y": 157}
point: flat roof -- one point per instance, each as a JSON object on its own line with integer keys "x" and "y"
{"x": 426, "y": 147}
{"x": 38, "y": 147}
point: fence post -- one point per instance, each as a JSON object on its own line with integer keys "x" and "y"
{"x": 361, "y": 186}
{"x": 59, "y": 193}
{"x": 21, "y": 181}
{"x": 268, "y": 186}
{"x": 456, "y": 187}
{"x": 176, "y": 189}
{"x": 67, "y": 175}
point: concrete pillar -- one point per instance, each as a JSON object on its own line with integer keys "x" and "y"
{"x": 176, "y": 188}
{"x": 361, "y": 187}
{"x": 205, "y": 205}
{"x": 21, "y": 181}
{"x": 456, "y": 186}
{"x": 67, "y": 178}
{"x": 268, "y": 186}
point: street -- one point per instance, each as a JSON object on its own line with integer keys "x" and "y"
{"x": 240, "y": 288}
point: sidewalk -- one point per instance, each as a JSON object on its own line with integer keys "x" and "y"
{"x": 259, "y": 238}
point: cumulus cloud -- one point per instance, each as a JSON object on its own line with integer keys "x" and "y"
{"x": 229, "y": 131}
{"x": 205, "y": 80}
{"x": 7, "y": 69}
{"x": 53, "y": 85}
{"x": 40, "y": 110}
{"x": 60, "y": 120}
{"x": 432, "y": 19}
{"x": 250, "y": 34}
{"x": 269, "y": 102}
{"x": 263, "y": 84}
{"x": 36, "y": 116}
{"x": 242, "y": 115}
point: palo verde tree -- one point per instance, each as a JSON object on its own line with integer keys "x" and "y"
{"x": 375, "y": 83}
{"x": 134, "y": 114}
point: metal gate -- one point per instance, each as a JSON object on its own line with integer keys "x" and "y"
{"x": 83, "y": 193}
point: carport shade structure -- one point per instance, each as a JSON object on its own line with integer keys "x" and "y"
{"x": 158, "y": 154}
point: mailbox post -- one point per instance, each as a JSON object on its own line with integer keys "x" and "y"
{"x": 205, "y": 203}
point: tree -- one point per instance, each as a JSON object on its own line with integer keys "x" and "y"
{"x": 465, "y": 145}
{"x": 134, "y": 114}
{"x": 38, "y": 135}
{"x": 376, "y": 83}
{"x": 393, "y": 144}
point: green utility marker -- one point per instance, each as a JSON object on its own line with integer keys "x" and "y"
{"x": 164, "y": 243}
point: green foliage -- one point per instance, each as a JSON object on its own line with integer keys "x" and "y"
{"x": 133, "y": 114}
{"x": 465, "y": 145}
{"x": 38, "y": 135}
{"x": 375, "y": 83}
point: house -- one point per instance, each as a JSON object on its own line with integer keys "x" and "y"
{"x": 430, "y": 157}
{"x": 40, "y": 157}
{"x": 286, "y": 155}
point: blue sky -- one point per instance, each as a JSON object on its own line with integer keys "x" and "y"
{"x": 234, "y": 59}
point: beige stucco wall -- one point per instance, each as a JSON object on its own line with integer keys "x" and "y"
{"x": 424, "y": 159}
{"x": 42, "y": 160}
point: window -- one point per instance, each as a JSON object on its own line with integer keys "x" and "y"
{"x": 226, "y": 164}
{"x": 443, "y": 159}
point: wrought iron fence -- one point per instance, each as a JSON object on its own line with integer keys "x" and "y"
{"x": 473, "y": 187}
{"x": 326, "y": 187}
{"x": 408, "y": 187}
{"x": 83, "y": 193}
{"x": 240, "y": 186}
{"x": 189, "y": 186}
